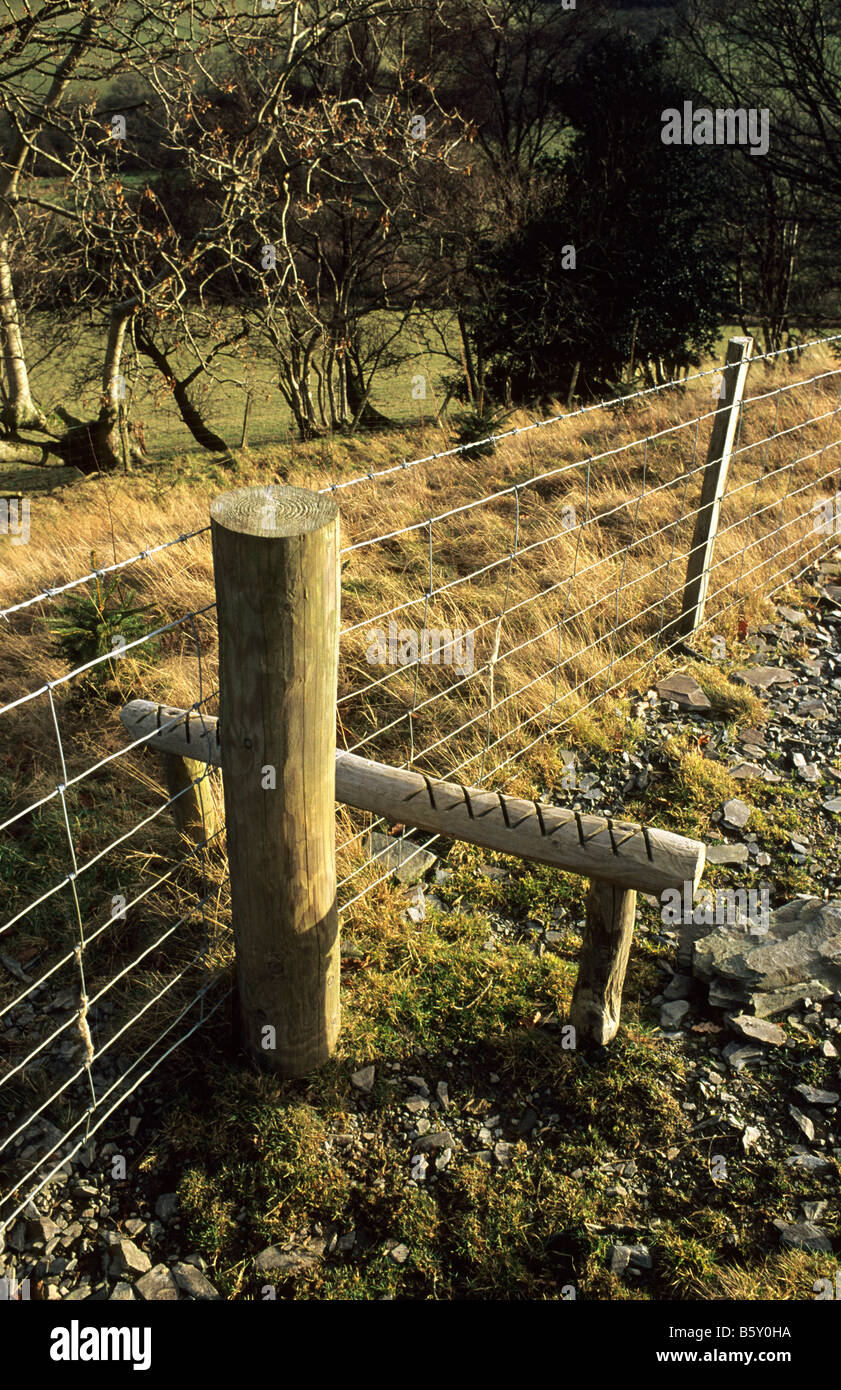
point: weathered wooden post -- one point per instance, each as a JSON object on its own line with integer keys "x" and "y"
{"x": 188, "y": 786}
{"x": 699, "y": 564}
{"x": 276, "y": 561}
{"x": 608, "y": 933}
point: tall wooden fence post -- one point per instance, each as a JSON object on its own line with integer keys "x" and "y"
{"x": 720, "y": 448}
{"x": 276, "y": 562}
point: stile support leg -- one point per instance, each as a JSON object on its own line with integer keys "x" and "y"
{"x": 194, "y": 812}
{"x": 608, "y": 931}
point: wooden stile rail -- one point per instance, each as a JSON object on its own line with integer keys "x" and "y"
{"x": 276, "y": 567}
{"x": 611, "y": 851}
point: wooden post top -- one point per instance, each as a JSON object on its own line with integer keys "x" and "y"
{"x": 273, "y": 511}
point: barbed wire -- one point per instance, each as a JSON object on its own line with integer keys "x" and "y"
{"x": 102, "y": 570}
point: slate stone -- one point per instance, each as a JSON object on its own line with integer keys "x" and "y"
{"x": 813, "y": 1211}
{"x": 166, "y": 1206}
{"x": 623, "y": 1255}
{"x": 679, "y": 987}
{"x": 757, "y": 1029}
{"x": 815, "y": 708}
{"x": 42, "y": 1230}
{"x": 799, "y": 957}
{"x": 813, "y": 1096}
{"x": 684, "y": 691}
{"x": 158, "y": 1286}
{"x": 671, "y": 1014}
{"x": 121, "y": 1293}
{"x": 807, "y": 772}
{"x": 363, "y": 1079}
{"x": 727, "y": 854}
{"x": 745, "y": 772}
{"x": 287, "y": 1259}
{"x": 803, "y": 1235}
{"x": 754, "y": 738}
{"x": 641, "y": 1257}
{"x": 527, "y": 1121}
{"x": 16, "y": 1237}
{"x": 439, "y": 1139}
{"x": 735, "y": 814}
{"x": 416, "y": 910}
{"x": 761, "y": 678}
{"x": 191, "y": 1281}
{"x": 750, "y": 1138}
{"x": 127, "y": 1259}
{"x": 809, "y": 1163}
{"x": 738, "y": 1057}
{"x": 406, "y": 861}
{"x": 804, "y": 1124}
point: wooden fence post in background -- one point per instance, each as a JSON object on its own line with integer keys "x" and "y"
{"x": 608, "y": 932}
{"x": 276, "y": 562}
{"x": 244, "y": 436}
{"x": 720, "y": 448}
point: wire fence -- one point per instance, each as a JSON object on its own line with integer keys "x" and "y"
{"x": 473, "y": 633}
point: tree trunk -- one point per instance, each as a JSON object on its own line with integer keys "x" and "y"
{"x": 467, "y": 359}
{"x": 14, "y": 452}
{"x": 191, "y": 416}
{"x": 360, "y": 406}
{"x": 19, "y": 409}
{"x": 193, "y": 419}
{"x": 92, "y": 447}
